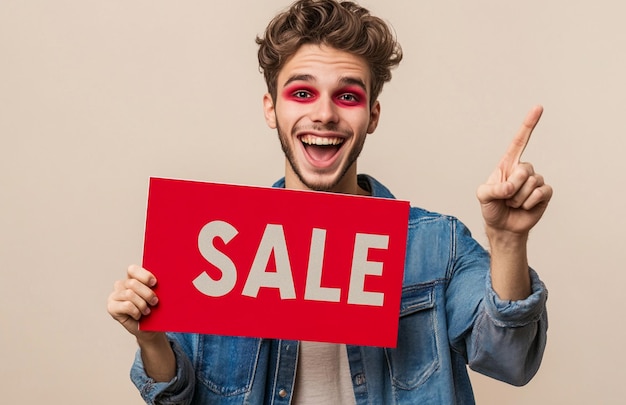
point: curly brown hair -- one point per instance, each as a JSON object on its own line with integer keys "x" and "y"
{"x": 343, "y": 25}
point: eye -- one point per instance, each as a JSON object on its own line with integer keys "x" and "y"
{"x": 349, "y": 97}
{"x": 302, "y": 94}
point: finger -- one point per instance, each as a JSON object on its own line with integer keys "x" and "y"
{"x": 142, "y": 291}
{"x": 525, "y": 191}
{"x": 142, "y": 275}
{"x": 514, "y": 152}
{"x": 487, "y": 193}
{"x": 127, "y": 309}
{"x": 519, "y": 175}
{"x": 539, "y": 197}
{"x": 121, "y": 308}
{"x": 133, "y": 290}
{"x": 130, "y": 300}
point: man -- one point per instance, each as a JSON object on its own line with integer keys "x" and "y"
{"x": 325, "y": 64}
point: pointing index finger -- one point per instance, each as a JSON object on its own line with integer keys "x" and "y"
{"x": 517, "y": 146}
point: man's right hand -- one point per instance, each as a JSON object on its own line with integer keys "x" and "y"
{"x": 132, "y": 298}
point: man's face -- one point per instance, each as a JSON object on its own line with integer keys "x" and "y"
{"x": 322, "y": 114}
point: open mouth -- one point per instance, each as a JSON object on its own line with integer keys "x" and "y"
{"x": 321, "y": 148}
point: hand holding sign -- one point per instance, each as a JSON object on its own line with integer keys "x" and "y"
{"x": 515, "y": 197}
{"x": 132, "y": 298}
{"x": 129, "y": 302}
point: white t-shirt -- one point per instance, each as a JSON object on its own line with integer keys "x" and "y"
{"x": 323, "y": 375}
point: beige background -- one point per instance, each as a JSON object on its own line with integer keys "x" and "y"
{"x": 96, "y": 96}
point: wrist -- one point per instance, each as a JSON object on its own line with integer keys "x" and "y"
{"x": 509, "y": 264}
{"x": 157, "y": 355}
{"x": 505, "y": 240}
{"x": 147, "y": 340}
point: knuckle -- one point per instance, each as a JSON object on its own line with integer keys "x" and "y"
{"x": 539, "y": 194}
{"x": 127, "y": 295}
{"x": 110, "y": 307}
{"x": 130, "y": 309}
{"x": 132, "y": 270}
{"x": 525, "y": 170}
{"x": 118, "y": 285}
{"x": 540, "y": 180}
{"x": 132, "y": 283}
{"x": 135, "y": 284}
{"x": 532, "y": 181}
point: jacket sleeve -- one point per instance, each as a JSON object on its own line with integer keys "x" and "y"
{"x": 501, "y": 339}
{"x": 509, "y": 337}
{"x": 178, "y": 391}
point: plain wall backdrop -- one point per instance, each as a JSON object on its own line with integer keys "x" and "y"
{"x": 97, "y": 96}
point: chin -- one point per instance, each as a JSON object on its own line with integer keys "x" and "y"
{"x": 318, "y": 184}
{"x": 328, "y": 183}
{"x": 321, "y": 187}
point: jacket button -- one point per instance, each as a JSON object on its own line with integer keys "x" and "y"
{"x": 282, "y": 393}
{"x": 359, "y": 379}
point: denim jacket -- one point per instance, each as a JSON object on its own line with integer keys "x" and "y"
{"x": 450, "y": 317}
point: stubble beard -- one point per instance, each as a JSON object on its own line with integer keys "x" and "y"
{"x": 352, "y": 157}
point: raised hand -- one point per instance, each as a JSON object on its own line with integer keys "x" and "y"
{"x": 515, "y": 197}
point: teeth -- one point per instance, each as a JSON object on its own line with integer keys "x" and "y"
{"x": 318, "y": 140}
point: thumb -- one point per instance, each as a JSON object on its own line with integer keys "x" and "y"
{"x": 495, "y": 188}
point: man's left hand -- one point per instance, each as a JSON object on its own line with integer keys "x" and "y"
{"x": 515, "y": 197}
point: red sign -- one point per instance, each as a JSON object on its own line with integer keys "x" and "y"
{"x": 275, "y": 263}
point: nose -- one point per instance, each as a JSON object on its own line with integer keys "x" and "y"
{"x": 325, "y": 110}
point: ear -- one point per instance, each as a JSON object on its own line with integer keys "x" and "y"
{"x": 269, "y": 110}
{"x": 374, "y": 116}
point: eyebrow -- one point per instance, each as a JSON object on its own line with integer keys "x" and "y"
{"x": 353, "y": 81}
{"x": 344, "y": 81}
{"x": 299, "y": 78}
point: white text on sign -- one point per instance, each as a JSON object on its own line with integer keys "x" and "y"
{"x": 273, "y": 240}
